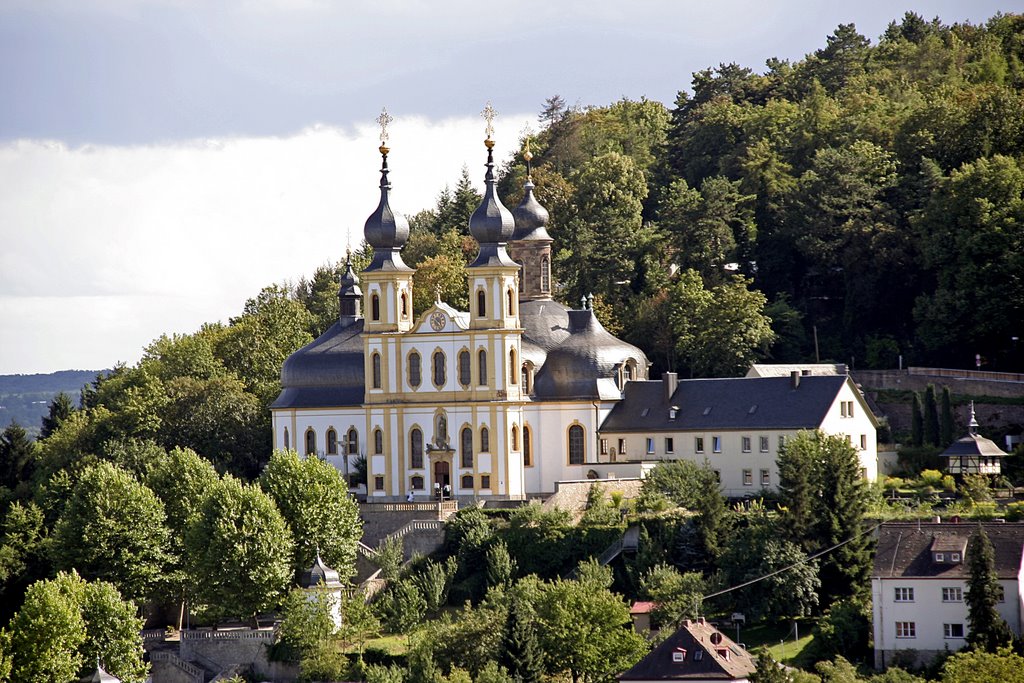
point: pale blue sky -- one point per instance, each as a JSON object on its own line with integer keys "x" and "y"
{"x": 161, "y": 160}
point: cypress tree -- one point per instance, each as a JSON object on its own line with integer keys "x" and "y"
{"x": 916, "y": 423}
{"x": 946, "y": 419}
{"x": 521, "y": 653}
{"x": 988, "y": 630}
{"x": 931, "y": 417}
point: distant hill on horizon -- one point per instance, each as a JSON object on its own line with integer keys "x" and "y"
{"x": 25, "y": 398}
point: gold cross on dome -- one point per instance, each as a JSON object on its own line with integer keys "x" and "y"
{"x": 489, "y": 115}
{"x": 384, "y": 120}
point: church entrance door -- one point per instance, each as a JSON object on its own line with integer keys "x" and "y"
{"x": 442, "y": 474}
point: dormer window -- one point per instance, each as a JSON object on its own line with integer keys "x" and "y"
{"x": 954, "y": 557}
{"x": 679, "y": 655}
{"x": 940, "y": 557}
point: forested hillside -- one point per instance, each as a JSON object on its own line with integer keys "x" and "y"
{"x": 24, "y": 398}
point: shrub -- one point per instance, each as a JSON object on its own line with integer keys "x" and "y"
{"x": 931, "y": 478}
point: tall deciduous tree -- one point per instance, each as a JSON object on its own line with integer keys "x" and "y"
{"x": 113, "y": 529}
{"x": 987, "y": 629}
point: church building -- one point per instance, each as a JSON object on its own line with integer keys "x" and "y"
{"x": 501, "y": 401}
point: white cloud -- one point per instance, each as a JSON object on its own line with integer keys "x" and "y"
{"x": 105, "y": 248}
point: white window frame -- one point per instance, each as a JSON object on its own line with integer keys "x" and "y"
{"x": 716, "y": 444}
{"x": 670, "y": 444}
{"x": 903, "y": 594}
{"x": 763, "y": 445}
{"x": 745, "y": 444}
{"x": 947, "y": 632}
{"x": 698, "y": 444}
{"x": 748, "y": 477}
{"x": 906, "y": 629}
{"x": 650, "y": 445}
{"x": 952, "y": 594}
{"x": 766, "y": 478}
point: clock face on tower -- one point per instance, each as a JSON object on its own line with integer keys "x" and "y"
{"x": 438, "y": 320}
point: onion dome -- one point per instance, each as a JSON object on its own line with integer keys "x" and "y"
{"x": 349, "y": 294}
{"x": 320, "y": 574}
{"x": 586, "y": 361}
{"x": 531, "y": 218}
{"x": 491, "y": 224}
{"x": 386, "y": 230}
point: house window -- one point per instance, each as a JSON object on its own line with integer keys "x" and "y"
{"x": 716, "y": 444}
{"x": 670, "y": 445}
{"x": 439, "y": 369}
{"x": 353, "y": 442}
{"x": 952, "y": 630}
{"x": 745, "y": 442}
{"x": 485, "y": 481}
{"x": 650, "y": 446}
{"x": 481, "y": 303}
{"x": 467, "y": 481}
{"x": 481, "y": 370}
{"x": 748, "y": 477}
{"x": 375, "y": 307}
{"x": 718, "y": 476}
{"x": 698, "y": 444}
{"x": 515, "y": 438}
{"x": 464, "y": 378}
{"x": 378, "y": 483}
{"x": 415, "y": 376}
{"x": 622, "y": 446}
{"x": 416, "y": 483}
{"x": 679, "y": 656}
{"x": 602, "y": 446}
{"x": 940, "y": 557}
{"x": 952, "y": 594}
{"x": 378, "y": 442}
{"x": 310, "y": 442}
{"x": 954, "y": 557}
{"x": 485, "y": 440}
{"x": 766, "y": 478}
{"x": 286, "y": 444}
{"x": 764, "y": 444}
{"x": 375, "y": 361}
{"x": 903, "y": 594}
{"x": 906, "y": 629}
{"x": 527, "y": 447}
{"x": 332, "y": 442}
{"x": 575, "y": 445}
{"x": 416, "y": 449}
{"x": 846, "y": 408}
{"x": 782, "y": 442}
{"x": 467, "y": 447}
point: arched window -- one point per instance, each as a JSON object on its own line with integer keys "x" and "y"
{"x": 287, "y": 445}
{"x": 467, "y": 447}
{"x": 512, "y": 366}
{"x": 375, "y": 307}
{"x": 375, "y": 361}
{"x": 441, "y": 430}
{"x": 524, "y": 383}
{"x": 310, "y": 442}
{"x": 485, "y": 440}
{"x": 515, "y": 438}
{"x": 353, "y": 442}
{"x": 416, "y": 449}
{"x": 405, "y": 306}
{"x": 630, "y": 370}
{"x": 378, "y": 442}
{"x": 464, "y": 377}
{"x": 545, "y": 274}
{"x": 332, "y": 442}
{"x": 481, "y": 370}
{"x": 414, "y": 369}
{"x": 481, "y": 303}
{"x": 467, "y": 481}
{"x": 575, "y": 445}
{"x": 510, "y": 301}
{"x": 527, "y": 447}
{"x": 439, "y": 369}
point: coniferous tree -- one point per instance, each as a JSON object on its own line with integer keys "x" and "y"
{"x": 988, "y": 630}
{"x": 796, "y": 492}
{"x": 521, "y": 653}
{"x": 946, "y": 419}
{"x": 768, "y": 670}
{"x": 60, "y": 407}
{"x": 916, "y": 423}
{"x": 17, "y": 461}
{"x": 931, "y": 417}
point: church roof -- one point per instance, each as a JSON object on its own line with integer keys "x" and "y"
{"x": 730, "y": 403}
{"x": 329, "y": 371}
{"x": 696, "y": 652}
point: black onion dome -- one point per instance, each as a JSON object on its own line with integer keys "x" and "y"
{"x": 350, "y": 282}
{"x": 588, "y": 354}
{"x": 491, "y": 225}
{"x": 386, "y": 230}
{"x": 318, "y": 574}
{"x": 531, "y": 218}
{"x": 328, "y": 371}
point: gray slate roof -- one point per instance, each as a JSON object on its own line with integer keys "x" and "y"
{"x": 328, "y": 371}
{"x": 904, "y": 549}
{"x": 693, "y": 637}
{"x": 973, "y": 444}
{"x": 732, "y": 403}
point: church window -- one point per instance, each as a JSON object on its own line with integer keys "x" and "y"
{"x": 481, "y": 303}
{"x": 310, "y": 442}
{"x": 416, "y": 483}
{"x": 524, "y": 380}
{"x": 575, "y": 445}
{"x": 416, "y": 449}
{"x": 286, "y": 444}
{"x": 467, "y": 481}
{"x": 378, "y": 483}
{"x": 481, "y": 361}
{"x": 527, "y": 447}
{"x": 515, "y": 437}
{"x": 510, "y": 301}
{"x": 375, "y": 360}
{"x": 485, "y": 481}
{"x": 630, "y": 370}
{"x": 439, "y": 369}
{"x": 467, "y": 447}
{"x": 485, "y": 440}
{"x": 464, "y": 378}
{"x": 353, "y": 442}
{"x": 414, "y": 369}
{"x": 332, "y": 442}
{"x": 378, "y": 442}
{"x": 405, "y": 306}
{"x": 512, "y": 366}
{"x": 375, "y": 307}
{"x": 545, "y": 275}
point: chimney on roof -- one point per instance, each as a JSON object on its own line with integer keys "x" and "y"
{"x": 805, "y": 373}
{"x": 669, "y": 381}
{"x": 794, "y": 379}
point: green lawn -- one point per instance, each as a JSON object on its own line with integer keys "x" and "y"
{"x": 779, "y": 639}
